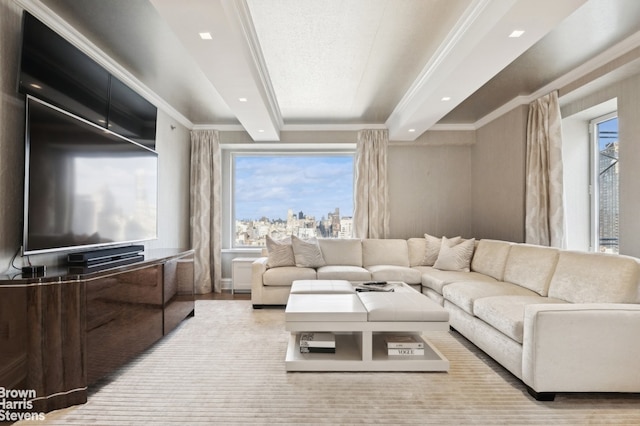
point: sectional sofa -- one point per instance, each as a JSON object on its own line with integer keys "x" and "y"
{"x": 560, "y": 321}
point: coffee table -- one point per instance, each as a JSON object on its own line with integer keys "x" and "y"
{"x": 359, "y": 322}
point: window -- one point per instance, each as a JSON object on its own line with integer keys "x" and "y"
{"x": 301, "y": 194}
{"x": 605, "y": 167}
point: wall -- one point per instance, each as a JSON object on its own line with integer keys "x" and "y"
{"x": 498, "y": 176}
{"x": 172, "y": 146}
{"x": 173, "y": 143}
{"x": 629, "y": 133}
{"x": 430, "y": 190}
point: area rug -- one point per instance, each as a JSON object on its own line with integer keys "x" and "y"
{"x": 226, "y": 366}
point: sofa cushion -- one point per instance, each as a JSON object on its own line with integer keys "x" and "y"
{"x": 455, "y": 257}
{"x": 307, "y": 253}
{"x": 464, "y": 294}
{"x": 385, "y": 252}
{"x": 531, "y": 266}
{"x": 490, "y": 258}
{"x": 280, "y": 252}
{"x": 343, "y": 272}
{"x": 436, "y": 279}
{"x": 506, "y": 313}
{"x": 583, "y": 277}
{"x": 395, "y": 273}
{"x": 339, "y": 251}
{"x": 417, "y": 250}
{"x": 285, "y": 275}
{"x": 432, "y": 248}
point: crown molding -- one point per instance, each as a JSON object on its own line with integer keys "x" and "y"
{"x": 593, "y": 64}
{"x": 332, "y": 127}
{"x": 461, "y": 127}
{"x": 220, "y": 127}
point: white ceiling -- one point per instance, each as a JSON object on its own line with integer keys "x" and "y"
{"x": 345, "y": 64}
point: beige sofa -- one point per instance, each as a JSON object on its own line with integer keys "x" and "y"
{"x": 560, "y": 321}
{"x": 345, "y": 259}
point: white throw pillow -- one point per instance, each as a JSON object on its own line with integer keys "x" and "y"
{"x": 307, "y": 254}
{"x": 433, "y": 248}
{"x": 455, "y": 257}
{"x": 280, "y": 253}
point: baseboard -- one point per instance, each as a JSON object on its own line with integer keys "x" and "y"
{"x": 226, "y": 284}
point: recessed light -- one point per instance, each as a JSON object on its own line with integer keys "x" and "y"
{"x": 516, "y": 33}
{"x": 206, "y": 36}
{"x": 260, "y": 130}
{"x": 242, "y": 99}
{"x": 446, "y": 98}
{"x": 412, "y": 130}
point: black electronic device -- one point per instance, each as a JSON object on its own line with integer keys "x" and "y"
{"x": 85, "y": 186}
{"x": 92, "y": 257}
{"x": 34, "y": 271}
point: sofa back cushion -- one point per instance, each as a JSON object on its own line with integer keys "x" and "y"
{"x": 341, "y": 251}
{"x": 531, "y": 267}
{"x": 417, "y": 249}
{"x": 385, "y": 252}
{"x": 490, "y": 258}
{"x": 432, "y": 248}
{"x": 280, "y": 253}
{"x": 582, "y": 277}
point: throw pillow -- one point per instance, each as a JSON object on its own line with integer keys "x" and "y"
{"x": 280, "y": 253}
{"x": 307, "y": 254}
{"x": 455, "y": 257}
{"x": 433, "y": 248}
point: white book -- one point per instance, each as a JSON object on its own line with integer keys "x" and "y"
{"x": 405, "y": 352}
{"x": 404, "y": 341}
{"x": 318, "y": 340}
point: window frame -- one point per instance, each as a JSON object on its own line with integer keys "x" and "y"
{"x": 348, "y": 150}
{"x": 594, "y": 174}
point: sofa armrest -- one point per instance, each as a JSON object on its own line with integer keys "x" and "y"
{"x": 258, "y": 268}
{"x": 581, "y": 347}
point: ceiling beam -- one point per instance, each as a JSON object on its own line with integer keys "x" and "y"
{"x": 231, "y": 59}
{"x": 476, "y": 49}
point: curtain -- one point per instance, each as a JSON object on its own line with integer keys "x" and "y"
{"x": 206, "y": 221}
{"x": 371, "y": 209}
{"x": 544, "y": 221}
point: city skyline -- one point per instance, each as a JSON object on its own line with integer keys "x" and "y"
{"x": 268, "y": 186}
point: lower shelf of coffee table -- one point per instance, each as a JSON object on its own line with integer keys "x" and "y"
{"x": 350, "y": 356}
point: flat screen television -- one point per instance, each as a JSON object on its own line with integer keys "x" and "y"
{"x": 85, "y": 186}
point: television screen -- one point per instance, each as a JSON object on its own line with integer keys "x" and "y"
{"x": 85, "y": 186}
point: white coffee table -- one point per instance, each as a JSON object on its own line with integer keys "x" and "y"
{"x": 360, "y": 330}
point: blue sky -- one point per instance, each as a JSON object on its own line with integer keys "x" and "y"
{"x": 608, "y": 126}
{"x": 314, "y": 184}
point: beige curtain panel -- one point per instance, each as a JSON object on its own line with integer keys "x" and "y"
{"x": 206, "y": 210}
{"x": 544, "y": 222}
{"x": 371, "y": 198}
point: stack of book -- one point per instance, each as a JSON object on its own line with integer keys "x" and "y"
{"x": 317, "y": 343}
{"x": 404, "y": 345}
